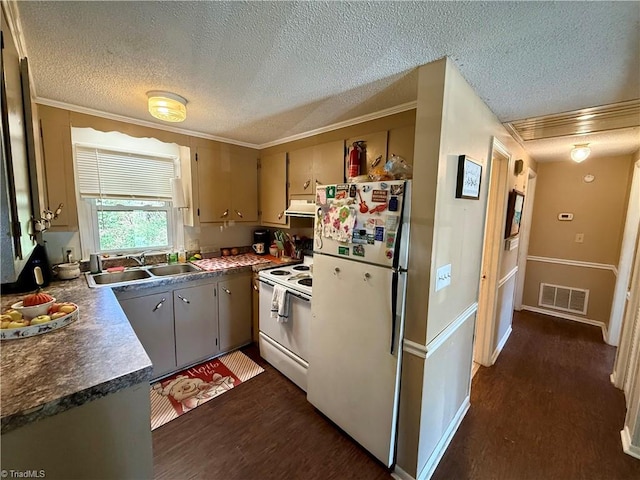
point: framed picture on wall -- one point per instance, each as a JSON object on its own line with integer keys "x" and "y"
{"x": 514, "y": 213}
{"x": 469, "y": 177}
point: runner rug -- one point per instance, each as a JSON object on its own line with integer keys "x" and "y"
{"x": 194, "y": 386}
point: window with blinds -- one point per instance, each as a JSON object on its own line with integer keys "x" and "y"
{"x": 125, "y": 198}
{"x": 105, "y": 173}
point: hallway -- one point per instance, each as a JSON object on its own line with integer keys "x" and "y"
{"x": 545, "y": 410}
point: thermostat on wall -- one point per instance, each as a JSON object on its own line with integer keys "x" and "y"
{"x": 567, "y": 217}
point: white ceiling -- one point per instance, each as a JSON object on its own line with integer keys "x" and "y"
{"x": 257, "y": 72}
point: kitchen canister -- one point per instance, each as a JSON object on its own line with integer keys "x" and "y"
{"x": 68, "y": 271}
{"x": 95, "y": 263}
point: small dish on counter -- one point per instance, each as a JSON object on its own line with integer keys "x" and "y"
{"x": 33, "y": 310}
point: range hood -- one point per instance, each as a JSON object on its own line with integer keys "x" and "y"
{"x": 301, "y": 208}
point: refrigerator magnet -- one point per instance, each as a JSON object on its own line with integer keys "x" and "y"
{"x": 384, "y": 185}
{"x": 341, "y": 191}
{"x": 358, "y": 250}
{"x": 379, "y": 234}
{"x": 391, "y": 239}
{"x": 321, "y": 196}
{"x": 343, "y": 251}
{"x": 352, "y": 190}
{"x": 391, "y": 222}
{"x": 371, "y": 238}
{"x": 389, "y": 253}
{"x": 393, "y": 204}
{"x": 397, "y": 189}
{"x": 379, "y": 196}
{"x": 331, "y": 191}
{"x": 360, "y": 236}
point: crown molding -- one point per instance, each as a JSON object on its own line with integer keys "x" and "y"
{"x": 143, "y": 123}
{"x": 346, "y": 123}
{"x": 182, "y": 131}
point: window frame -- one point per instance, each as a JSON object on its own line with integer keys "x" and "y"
{"x": 95, "y": 229}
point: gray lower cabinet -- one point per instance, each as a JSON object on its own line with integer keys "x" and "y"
{"x": 234, "y": 310}
{"x": 182, "y": 326}
{"x": 196, "y": 323}
{"x": 151, "y": 317}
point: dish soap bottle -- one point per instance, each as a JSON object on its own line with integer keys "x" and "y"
{"x": 182, "y": 255}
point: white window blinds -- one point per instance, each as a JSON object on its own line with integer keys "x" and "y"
{"x": 109, "y": 173}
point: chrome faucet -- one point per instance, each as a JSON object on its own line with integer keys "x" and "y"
{"x": 141, "y": 258}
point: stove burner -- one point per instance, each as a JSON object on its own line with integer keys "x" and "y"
{"x": 305, "y": 281}
{"x": 278, "y": 272}
{"x": 302, "y": 268}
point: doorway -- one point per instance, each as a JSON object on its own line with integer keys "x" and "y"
{"x": 525, "y": 231}
{"x": 488, "y": 330}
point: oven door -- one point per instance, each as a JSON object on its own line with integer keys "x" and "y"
{"x": 293, "y": 334}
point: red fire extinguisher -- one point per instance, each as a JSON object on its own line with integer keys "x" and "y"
{"x": 354, "y": 159}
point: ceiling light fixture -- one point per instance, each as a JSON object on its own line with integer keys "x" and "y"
{"x": 580, "y": 152}
{"x": 167, "y": 106}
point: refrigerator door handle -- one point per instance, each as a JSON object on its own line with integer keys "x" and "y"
{"x": 394, "y": 308}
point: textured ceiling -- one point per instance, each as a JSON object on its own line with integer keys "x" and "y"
{"x": 257, "y": 72}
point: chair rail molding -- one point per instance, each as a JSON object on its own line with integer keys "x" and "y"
{"x": 573, "y": 263}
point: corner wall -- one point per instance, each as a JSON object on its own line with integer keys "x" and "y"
{"x": 451, "y": 120}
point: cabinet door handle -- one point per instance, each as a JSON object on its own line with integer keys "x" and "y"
{"x": 183, "y": 299}
{"x": 306, "y": 184}
{"x": 226, "y": 290}
{"x": 255, "y": 287}
{"x": 239, "y": 214}
{"x": 225, "y": 214}
{"x": 159, "y": 305}
{"x": 280, "y": 215}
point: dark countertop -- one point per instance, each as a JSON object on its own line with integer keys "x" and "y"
{"x": 96, "y": 355}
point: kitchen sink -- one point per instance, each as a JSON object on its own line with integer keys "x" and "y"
{"x": 119, "y": 277}
{"x": 173, "y": 269}
{"x": 138, "y": 274}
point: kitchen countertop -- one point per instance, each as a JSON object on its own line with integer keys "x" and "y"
{"x": 96, "y": 355}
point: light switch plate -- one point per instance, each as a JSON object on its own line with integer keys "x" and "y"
{"x": 443, "y": 277}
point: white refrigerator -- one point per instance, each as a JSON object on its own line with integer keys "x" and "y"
{"x": 361, "y": 236}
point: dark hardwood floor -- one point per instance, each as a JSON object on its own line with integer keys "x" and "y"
{"x": 262, "y": 429}
{"x": 545, "y": 410}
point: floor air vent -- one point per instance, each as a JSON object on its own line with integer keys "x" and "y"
{"x": 563, "y": 298}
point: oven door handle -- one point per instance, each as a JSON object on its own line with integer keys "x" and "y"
{"x": 290, "y": 292}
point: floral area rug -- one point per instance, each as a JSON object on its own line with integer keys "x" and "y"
{"x": 194, "y": 386}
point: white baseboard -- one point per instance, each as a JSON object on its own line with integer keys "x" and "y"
{"x": 568, "y": 316}
{"x": 627, "y": 446}
{"x": 501, "y": 344}
{"x": 400, "y": 474}
{"x": 438, "y": 452}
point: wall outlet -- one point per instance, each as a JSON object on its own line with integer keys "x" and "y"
{"x": 579, "y": 237}
{"x": 443, "y": 277}
{"x": 69, "y": 250}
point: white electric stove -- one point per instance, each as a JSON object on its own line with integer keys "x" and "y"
{"x": 285, "y": 345}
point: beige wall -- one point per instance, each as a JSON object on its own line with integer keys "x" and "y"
{"x": 600, "y": 284}
{"x": 599, "y": 210}
{"x": 451, "y": 120}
